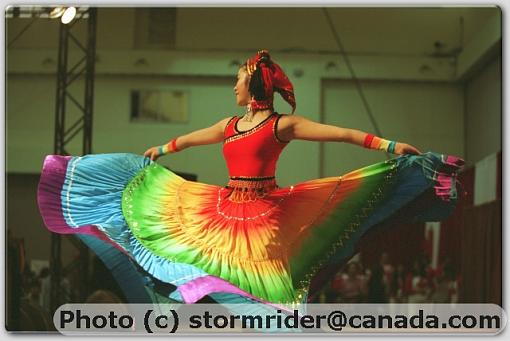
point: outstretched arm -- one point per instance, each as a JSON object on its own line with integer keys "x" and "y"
{"x": 300, "y": 128}
{"x": 209, "y": 135}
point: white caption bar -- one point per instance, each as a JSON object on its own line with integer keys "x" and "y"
{"x": 136, "y": 319}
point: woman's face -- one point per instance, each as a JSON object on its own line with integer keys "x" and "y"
{"x": 352, "y": 269}
{"x": 241, "y": 89}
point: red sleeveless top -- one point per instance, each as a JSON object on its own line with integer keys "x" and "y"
{"x": 253, "y": 153}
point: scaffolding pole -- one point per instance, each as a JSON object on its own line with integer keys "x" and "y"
{"x": 67, "y": 128}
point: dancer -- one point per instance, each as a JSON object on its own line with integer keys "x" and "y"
{"x": 251, "y": 240}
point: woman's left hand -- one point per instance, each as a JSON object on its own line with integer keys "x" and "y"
{"x": 152, "y": 153}
{"x": 404, "y": 148}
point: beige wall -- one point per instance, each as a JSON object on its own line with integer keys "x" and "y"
{"x": 483, "y": 113}
{"x": 426, "y": 115}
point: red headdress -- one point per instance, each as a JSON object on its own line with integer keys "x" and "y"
{"x": 273, "y": 78}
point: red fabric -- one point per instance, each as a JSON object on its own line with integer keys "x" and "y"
{"x": 408, "y": 285}
{"x": 229, "y": 129}
{"x": 274, "y": 79}
{"x": 252, "y": 153}
{"x": 337, "y": 284}
{"x": 261, "y": 105}
{"x": 452, "y": 229}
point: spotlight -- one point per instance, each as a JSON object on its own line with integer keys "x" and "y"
{"x": 68, "y": 15}
{"x": 57, "y": 12}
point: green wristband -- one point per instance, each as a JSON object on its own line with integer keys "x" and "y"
{"x": 391, "y": 147}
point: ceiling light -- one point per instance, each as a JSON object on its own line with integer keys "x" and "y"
{"x": 57, "y": 12}
{"x": 68, "y": 15}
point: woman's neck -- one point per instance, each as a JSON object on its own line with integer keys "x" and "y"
{"x": 250, "y": 116}
{"x": 263, "y": 113}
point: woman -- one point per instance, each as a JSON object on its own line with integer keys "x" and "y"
{"x": 251, "y": 240}
{"x": 350, "y": 286}
{"x": 290, "y": 127}
{"x": 376, "y": 288}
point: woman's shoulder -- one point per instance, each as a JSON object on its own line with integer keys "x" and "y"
{"x": 224, "y": 122}
{"x": 287, "y": 120}
{"x": 284, "y": 126}
{"x": 228, "y": 119}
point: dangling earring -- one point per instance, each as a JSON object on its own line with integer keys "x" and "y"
{"x": 248, "y": 117}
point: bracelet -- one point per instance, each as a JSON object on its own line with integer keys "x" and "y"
{"x": 170, "y": 147}
{"x": 161, "y": 150}
{"x": 375, "y": 142}
{"x": 174, "y": 148}
{"x": 368, "y": 140}
{"x": 391, "y": 148}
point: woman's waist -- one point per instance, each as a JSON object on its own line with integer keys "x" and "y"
{"x": 250, "y": 188}
{"x": 248, "y": 182}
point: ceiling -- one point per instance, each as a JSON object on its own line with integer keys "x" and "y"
{"x": 379, "y": 31}
{"x": 384, "y": 30}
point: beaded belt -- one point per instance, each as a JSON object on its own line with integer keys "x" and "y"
{"x": 250, "y": 188}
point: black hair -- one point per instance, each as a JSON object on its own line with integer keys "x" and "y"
{"x": 256, "y": 85}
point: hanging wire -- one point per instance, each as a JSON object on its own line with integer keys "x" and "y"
{"x": 353, "y": 74}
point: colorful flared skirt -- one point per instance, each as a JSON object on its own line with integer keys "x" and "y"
{"x": 188, "y": 240}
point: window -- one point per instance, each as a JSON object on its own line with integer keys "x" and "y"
{"x": 155, "y": 28}
{"x": 159, "y": 106}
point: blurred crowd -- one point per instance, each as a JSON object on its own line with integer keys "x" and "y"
{"x": 34, "y": 311}
{"x": 387, "y": 282}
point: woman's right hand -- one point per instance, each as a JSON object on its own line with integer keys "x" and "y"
{"x": 152, "y": 153}
{"x": 404, "y": 148}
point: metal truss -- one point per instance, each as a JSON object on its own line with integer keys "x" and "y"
{"x": 68, "y": 128}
